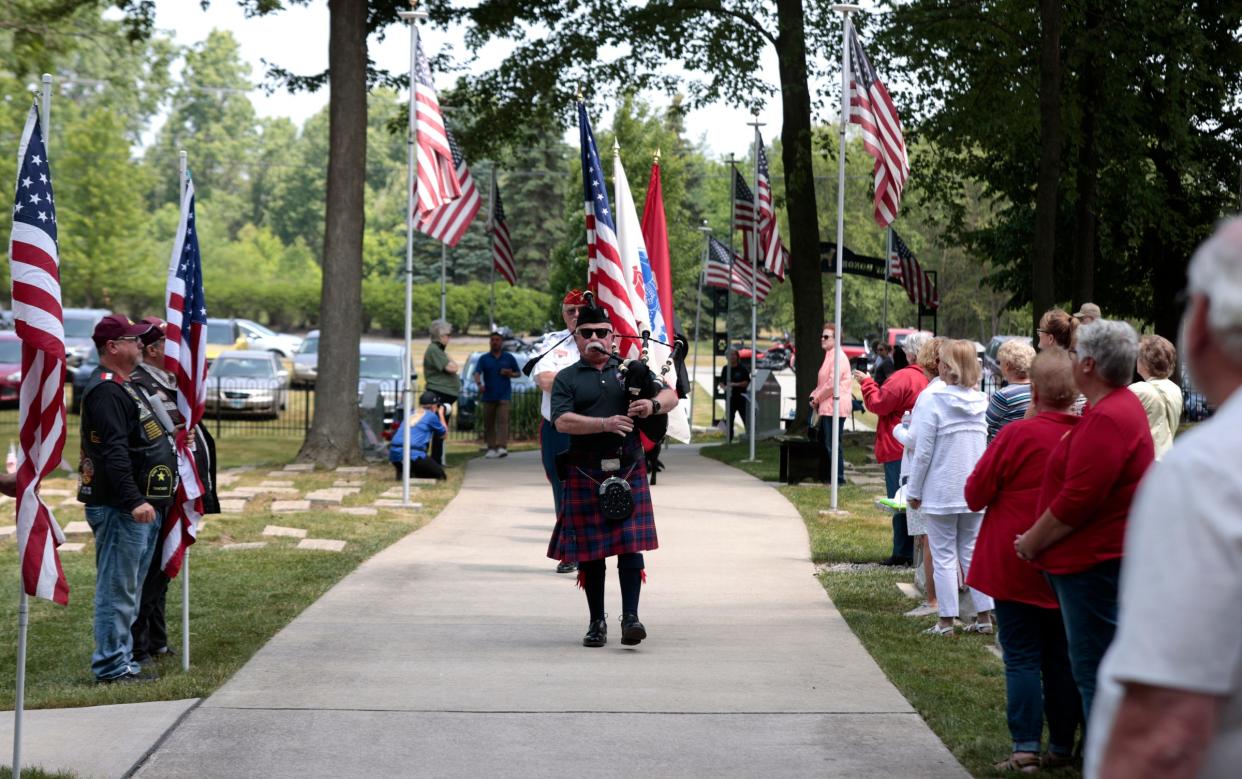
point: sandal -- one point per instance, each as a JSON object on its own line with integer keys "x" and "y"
{"x": 1024, "y": 762}
{"x": 1054, "y": 760}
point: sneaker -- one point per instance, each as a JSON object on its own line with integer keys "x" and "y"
{"x": 938, "y": 630}
{"x": 502, "y": 452}
{"x": 131, "y": 677}
{"x": 982, "y": 628}
{"x": 491, "y": 454}
{"x": 924, "y": 609}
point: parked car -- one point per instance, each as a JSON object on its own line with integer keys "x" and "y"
{"x": 991, "y": 364}
{"x": 386, "y": 364}
{"x": 265, "y": 339}
{"x": 10, "y": 368}
{"x": 80, "y": 376}
{"x": 468, "y": 400}
{"x": 79, "y": 326}
{"x": 223, "y": 335}
{"x": 306, "y": 360}
{"x": 247, "y": 382}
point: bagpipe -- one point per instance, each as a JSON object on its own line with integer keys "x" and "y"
{"x": 636, "y": 374}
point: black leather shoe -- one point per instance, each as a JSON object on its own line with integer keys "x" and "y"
{"x": 632, "y": 631}
{"x": 895, "y": 561}
{"x": 597, "y": 634}
{"x": 566, "y": 567}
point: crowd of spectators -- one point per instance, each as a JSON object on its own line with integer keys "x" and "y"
{"x": 1113, "y": 581}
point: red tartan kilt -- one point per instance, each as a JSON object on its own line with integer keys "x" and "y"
{"x": 582, "y": 534}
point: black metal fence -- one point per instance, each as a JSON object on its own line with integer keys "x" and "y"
{"x": 238, "y": 408}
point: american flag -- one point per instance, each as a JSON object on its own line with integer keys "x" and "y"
{"x": 918, "y": 284}
{"x": 771, "y": 251}
{"x": 34, "y": 265}
{"x": 502, "y": 250}
{"x": 872, "y": 109}
{"x": 733, "y": 272}
{"x": 185, "y": 357}
{"x": 743, "y": 203}
{"x": 437, "y": 175}
{"x": 448, "y": 223}
{"x": 606, "y": 272}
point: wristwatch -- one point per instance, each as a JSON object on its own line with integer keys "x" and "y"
{"x": 655, "y": 407}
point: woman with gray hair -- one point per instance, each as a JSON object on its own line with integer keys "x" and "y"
{"x": 1089, "y": 482}
{"x": 889, "y": 402}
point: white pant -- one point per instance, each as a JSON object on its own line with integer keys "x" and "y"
{"x": 952, "y": 541}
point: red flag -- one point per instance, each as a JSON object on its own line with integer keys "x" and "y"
{"x": 655, "y": 235}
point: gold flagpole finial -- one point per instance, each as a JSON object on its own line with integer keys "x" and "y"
{"x": 616, "y": 147}
{"x": 656, "y": 158}
{"x": 578, "y": 92}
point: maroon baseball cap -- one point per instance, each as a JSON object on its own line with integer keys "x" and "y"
{"x": 116, "y": 326}
{"x": 156, "y": 332}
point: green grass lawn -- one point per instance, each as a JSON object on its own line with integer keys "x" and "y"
{"x": 956, "y": 684}
{"x": 240, "y": 598}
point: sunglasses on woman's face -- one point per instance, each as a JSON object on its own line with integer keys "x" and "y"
{"x": 594, "y": 332}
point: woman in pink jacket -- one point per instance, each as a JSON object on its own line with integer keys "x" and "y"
{"x": 821, "y": 397}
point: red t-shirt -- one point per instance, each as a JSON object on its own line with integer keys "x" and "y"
{"x": 889, "y": 402}
{"x": 1007, "y": 482}
{"x": 1090, "y": 480}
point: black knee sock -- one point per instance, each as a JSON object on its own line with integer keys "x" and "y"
{"x": 630, "y": 572}
{"x": 592, "y": 578}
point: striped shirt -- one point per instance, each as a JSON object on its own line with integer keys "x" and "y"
{"x": 1008, "y": 404}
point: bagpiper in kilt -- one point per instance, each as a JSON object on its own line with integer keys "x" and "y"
{"x": 602, "y": 474}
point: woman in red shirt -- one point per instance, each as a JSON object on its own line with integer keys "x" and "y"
{"x": 1085, "y": 497}
{"x": 1007, "y": 482}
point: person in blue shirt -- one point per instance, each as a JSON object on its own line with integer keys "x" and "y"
{"x": 427, "y": 427}
{"x": 493, "y": 374}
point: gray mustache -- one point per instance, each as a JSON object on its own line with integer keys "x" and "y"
{"x": 595, "y": 346}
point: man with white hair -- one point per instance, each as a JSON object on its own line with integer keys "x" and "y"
{"x": 1169, "y": 700}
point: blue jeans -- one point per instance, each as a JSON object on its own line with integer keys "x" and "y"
{"x": 551, "y": 443}
{"x": 1089, "y": 609}
{"x": 123, "y": 551}
{"x": 1038, "y": 680}
{"x": 825, "y": 433}
{"x": 903, "y": 543}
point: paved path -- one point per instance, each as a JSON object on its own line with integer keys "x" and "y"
{"x": 456, "y": 652}
{"x": 88, "y": 742}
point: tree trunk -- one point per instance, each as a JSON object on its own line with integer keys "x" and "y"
{"x": 1043, "y": 292}
{"x": 1085, "y": 211}
{"x": 805, "y": 275}
{"x": 334, "y": 435}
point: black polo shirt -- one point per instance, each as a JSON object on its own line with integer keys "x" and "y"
{"x": 584, "y": 389}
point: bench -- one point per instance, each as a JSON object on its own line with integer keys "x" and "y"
{"x": 802, "y": 458}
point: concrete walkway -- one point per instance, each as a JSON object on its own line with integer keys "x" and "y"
{"x": 92, "y": 741}
{"x": 457, "y": 652}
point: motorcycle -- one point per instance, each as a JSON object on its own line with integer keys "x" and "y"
{"x": 780, "y": 355}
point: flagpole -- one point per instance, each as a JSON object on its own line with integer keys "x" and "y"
{"x": 888, "y": 264}
{"x": 754, "y": 293}
{"x": 443, "y": 280}
{"x": 412, "y": 17}
{"x": 23, "y": 600}
{"x": 728, "y": 306}
{"x": 491, "y": 211}
{"x": 698, "y": 307}
{"x": 845, "y": 10}
{"x": 182, "y": 168}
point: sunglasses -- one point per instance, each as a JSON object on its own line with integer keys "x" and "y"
{"x": 595, "y": 332}
{"x": 825, "y": 336}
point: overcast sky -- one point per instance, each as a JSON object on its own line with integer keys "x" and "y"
{"x": 297, "y": 39}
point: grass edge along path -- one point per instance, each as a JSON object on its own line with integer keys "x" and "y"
{"x": 956, "y": 683}
{"x": 239, "y": 598}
